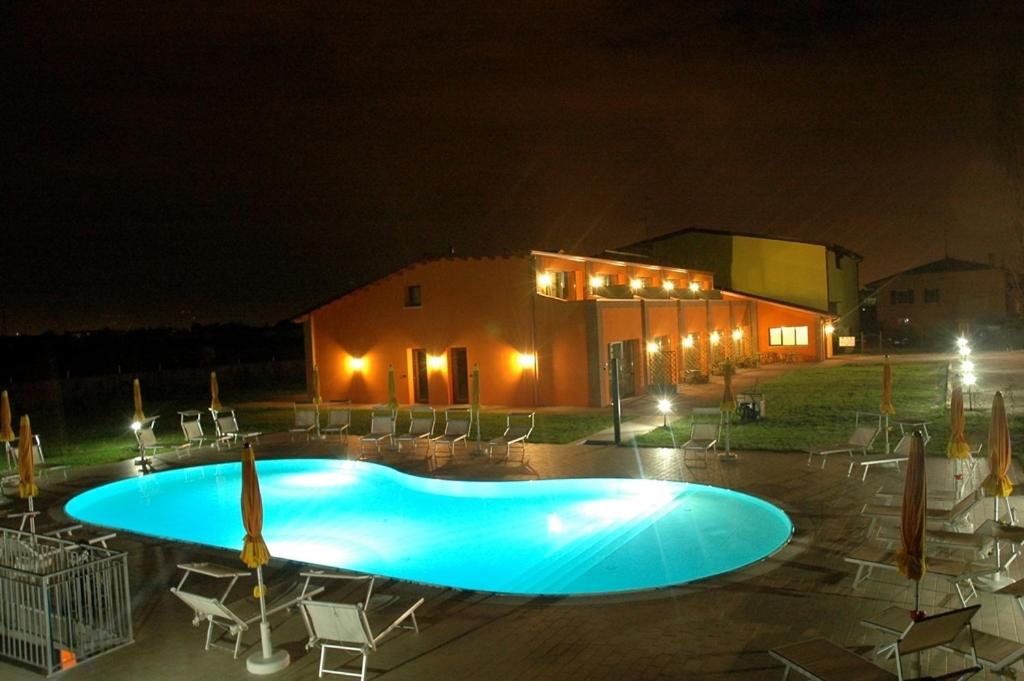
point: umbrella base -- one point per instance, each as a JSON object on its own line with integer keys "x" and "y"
{"x": 257, "y": 664}
{"x": 994, "y": 581}
{"x": 727, "y": 456}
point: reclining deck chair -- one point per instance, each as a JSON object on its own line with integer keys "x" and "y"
{"x": 990, "y": 651}
{"x": 382, "y": 429}
{"x": 421, "y": 429}
{"x": 227, "y": 428}
{"x": 518, "y": 426}
{"x": 860, "y": 441}
{"x": 307, "y": 420}
{"x": 949, "y": 517}
{"x": 339, "y": 418}
{"x": 42, "y": 468}
{"x": 822, "y": 660}
{"x": 192, "y": 428}
{"x": 959, "y": 573}
{"x": 899, "y": 454}
{"x": 703, "y": 436}
{"x": 237, "y": 618}
{"x": 457, "y": 424}
{"x": 349, "y": 627}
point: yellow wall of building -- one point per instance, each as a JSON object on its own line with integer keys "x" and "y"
{"x": 781, "y": 270}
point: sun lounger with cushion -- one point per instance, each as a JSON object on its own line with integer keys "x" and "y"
{"x": 993, "y": 652}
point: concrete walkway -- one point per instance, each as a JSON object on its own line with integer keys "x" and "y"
{"x": 719, "y": 628}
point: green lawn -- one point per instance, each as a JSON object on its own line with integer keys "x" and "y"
{"x": 815, "y": 406}
{"x": 94, "y": 435}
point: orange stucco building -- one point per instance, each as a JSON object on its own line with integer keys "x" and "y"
{"x": 542, "y": 327}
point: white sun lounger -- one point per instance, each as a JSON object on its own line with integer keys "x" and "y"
{"x": 993, "y": 652}
{"x": 382, "y": 429}
{"x": 421, "y": 429}
{"x": 457, "y": 424}
{"x": 349, "y": 627}
{"x": 959, "y": 573}
{"x": 518, "y": 426}
{"x": 237, "y": 618}
{"x": 860, "y": 441}
{"x": 703, "y": 439}
{"x": 339, "y": 418}
{"x": 949, "y": 517}
{"x": 306, "y": 420}
{"x": 821, "y": 660}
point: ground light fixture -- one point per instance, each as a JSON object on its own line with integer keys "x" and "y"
{"x": 665, "y": 407}
{"x": 136, "y": 426}
{"x": 968, "y": 366}
{"x": 970, "y": 379}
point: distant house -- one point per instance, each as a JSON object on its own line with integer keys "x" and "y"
{"x": 542, "y": 327}
{"x": 817, "y": 276}
{"x": 940, "y": 298}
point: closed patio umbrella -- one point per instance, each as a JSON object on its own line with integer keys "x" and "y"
{"x": 392, "y": 393}
{"x": 255, "y": 555}
{"x": 27, "y": 488}
{"x": 215, "y": 404}
{"x": 474, "y": 401}
{"x": 140, "y": 416}
{"x": 958, "y": 449}
{"x": 6, "y": 432}
{"x": 886, "y": 407}
{"x": 998, "y": 484}
{"x": 728, "y": 406}
{"x": 910, "y": 556}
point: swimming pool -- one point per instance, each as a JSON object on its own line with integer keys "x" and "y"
{"x": 551, "y": 537}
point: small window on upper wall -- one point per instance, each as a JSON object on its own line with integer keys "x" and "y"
{"x": 931, "y": 295}
{"x": 413, "y": 296}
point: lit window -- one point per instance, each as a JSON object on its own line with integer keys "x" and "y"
{"x": 413, "y": 296}
{"x": 788, "y": 335}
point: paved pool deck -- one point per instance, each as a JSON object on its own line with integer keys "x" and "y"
{"x": 719, "y": 628}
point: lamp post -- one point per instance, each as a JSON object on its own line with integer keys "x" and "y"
{"x": 665, "y": 407}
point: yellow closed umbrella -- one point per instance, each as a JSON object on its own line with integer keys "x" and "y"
{"x": 910, "y": 556}
{"x": 215, "y": 404}
{"x": 6, "y": 432}
{"x": 255, "y": 555}
{"x": 998, "y": 484}
{"x": 140, "y": 416}
{"x": 27, "y": 488}
{"x": 392, "y": 393}
{"x": 958, "y": 449}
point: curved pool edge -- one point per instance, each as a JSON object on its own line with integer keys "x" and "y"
{"x": 428, "y": 482}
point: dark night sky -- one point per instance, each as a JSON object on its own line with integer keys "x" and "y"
{"x": 193, "y": 163}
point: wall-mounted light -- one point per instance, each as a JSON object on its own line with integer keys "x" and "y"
{"x": 668, "y": 285}
{"x": 596, "y": 281}
{"x": 694, "y": 286}
{"x": 544, "y": 279}
{"x": 715, "y": 337}
{"x": 652, "y": 347}
{"x": 435, "y": 362}
{"x": 737, "y": 334}
{"x": 636, "y": 284}
{"x": 688, "y": 341}
{"x": 829, "y": 329}
{"x": 526, "y": 360}
{"x": 356, "y": 363}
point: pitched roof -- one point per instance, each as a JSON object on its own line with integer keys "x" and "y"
{"x": 702, "y": 230}
{"x": 944, "y": 265}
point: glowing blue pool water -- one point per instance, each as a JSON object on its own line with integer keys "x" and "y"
{"x": 579, "y": 536}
